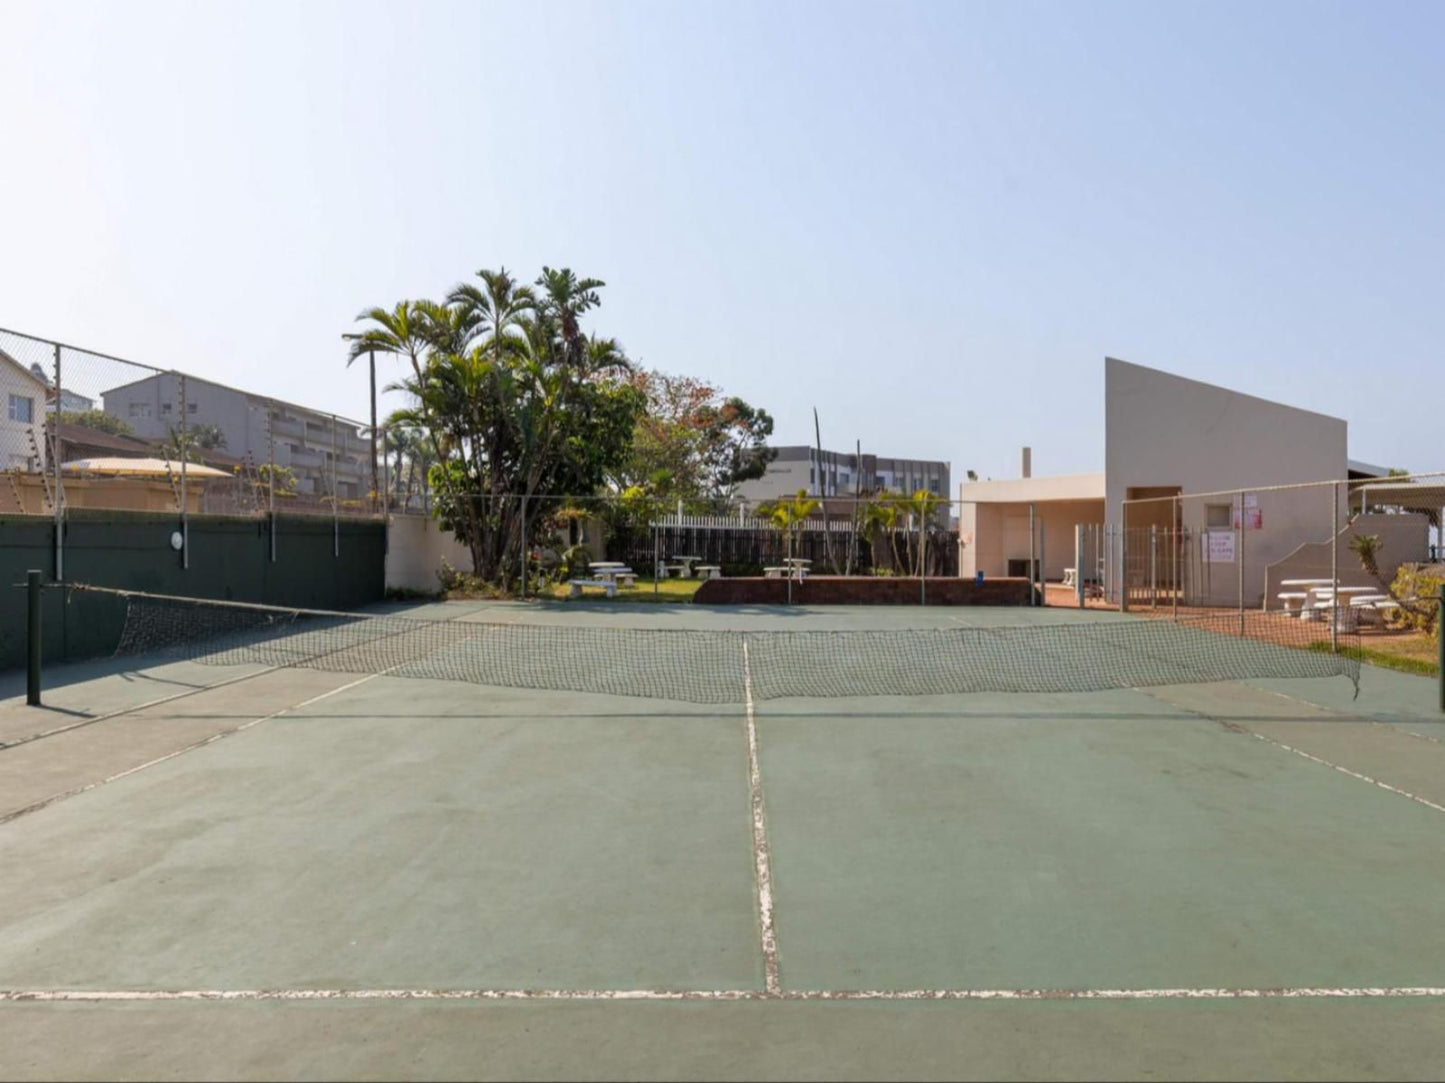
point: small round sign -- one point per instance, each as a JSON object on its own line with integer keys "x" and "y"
{"x": 177, "y": 541}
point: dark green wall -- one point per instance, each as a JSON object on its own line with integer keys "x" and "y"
{"x": 230, "y": 558}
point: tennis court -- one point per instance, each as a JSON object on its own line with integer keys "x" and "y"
{"x": 221, "y": 864}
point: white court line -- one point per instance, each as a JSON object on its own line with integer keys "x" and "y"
{"x": 762, "y": 860}
{"x": 1380, "y": 992}
{"x": 47, "y": 801}
{"x": 1346, "y": 771}
{"x": 1237, "y": 727}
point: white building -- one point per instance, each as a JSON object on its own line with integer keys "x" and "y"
{"x": 1165, "y": 435}
{"x": 22, "y": 425}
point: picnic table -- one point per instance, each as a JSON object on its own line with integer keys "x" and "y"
{"x": 613, "y": 571}
{"x": 685, "y": 563}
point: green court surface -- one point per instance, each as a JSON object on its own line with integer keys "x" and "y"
{"x": 241, "y": 872}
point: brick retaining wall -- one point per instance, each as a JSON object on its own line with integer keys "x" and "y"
{"x": 862, "y": 590}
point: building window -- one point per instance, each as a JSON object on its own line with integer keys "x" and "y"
{"x": 165, "y": 407}
{"x": 1219, "y": 516}
{"x": 933, "y": 486}
{"x": 191, "y": 407}
{"x": 22, "y": 409}
{"x": 140, "y": 409}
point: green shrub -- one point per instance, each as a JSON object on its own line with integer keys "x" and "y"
{"x": 1417, "y": 589}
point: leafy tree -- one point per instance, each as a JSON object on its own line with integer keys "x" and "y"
{"x": 98, "y": 421}
{"x": 192, "y": 442}
{"x": 691, "y": 444}
{"x": 530, "y": 408}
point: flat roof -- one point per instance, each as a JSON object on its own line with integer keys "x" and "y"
{"x": 1049, "y": 487}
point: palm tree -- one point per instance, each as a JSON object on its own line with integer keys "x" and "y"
{"x": 922, "y": 505}
{"x": 880, "y": 517}
{"x": 788, "y": 515}
{"x": 402, "y": 332}
{"x": 499, "y": 308}
{"x": 567, "y": 298}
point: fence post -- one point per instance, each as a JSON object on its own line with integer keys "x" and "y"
{"x": 922, "y": 560}
{"x": 1153, "y": 566}
{"x": 1123, "y": 556}
{"x": 58, "y": 494}
{"x": 371, "y": 363}
{"x": 656, "y": 551}
{"x": 335, "y": 497}
{"x": 1440, "y": 640}
{"x": 1334, "y": 566}
{"x": 1176, "y": 539}
{"x": 271, "y": 478}
{"x": 32, "y": 622}
{"x": 1043, "y": 561}
{"x": 185, "y": 500}
{"x": 1079, "y": 563}
{"x": 1033, "y": 554}
{"x": 1239, "y": 559}
{"x": 524, "y": 546}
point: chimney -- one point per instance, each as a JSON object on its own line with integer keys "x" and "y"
{"x": 1028, "y": 462}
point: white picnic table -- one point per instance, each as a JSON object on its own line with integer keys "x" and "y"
{"x": 686, "y": 564}
{"x": 612, "y": 570}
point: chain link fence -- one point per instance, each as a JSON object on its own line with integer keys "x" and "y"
{"x": 87, "y": 430}
{"x": 1352, "y": 555}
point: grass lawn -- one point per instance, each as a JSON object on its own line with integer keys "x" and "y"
{"x": 667, "y": 590}
{"x": 1407, "y": 652}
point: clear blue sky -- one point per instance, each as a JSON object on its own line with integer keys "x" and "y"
{"x": 932, "y": 221}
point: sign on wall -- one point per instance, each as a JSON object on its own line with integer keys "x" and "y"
{"x": 1253, "y": 517}
{"x": 1219, "y": 547}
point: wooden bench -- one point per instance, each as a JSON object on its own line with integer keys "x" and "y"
{"x": 576, "y": 585}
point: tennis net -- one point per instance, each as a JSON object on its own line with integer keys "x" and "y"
{"x": 721, "y": 666}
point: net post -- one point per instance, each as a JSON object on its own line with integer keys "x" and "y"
{"x": 185, "y": 500}
{"x": 58, "y": 500}
{"x": 32, "y": 627}
{"x": 1334, "y": 566}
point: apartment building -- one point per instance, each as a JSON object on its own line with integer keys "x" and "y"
{"x": 315, "y": 446}
{"x": 844, "y": 474}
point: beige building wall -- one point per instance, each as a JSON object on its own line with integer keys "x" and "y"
{"x": 415, "y": 549}
{"x": 1163, "y": 431}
